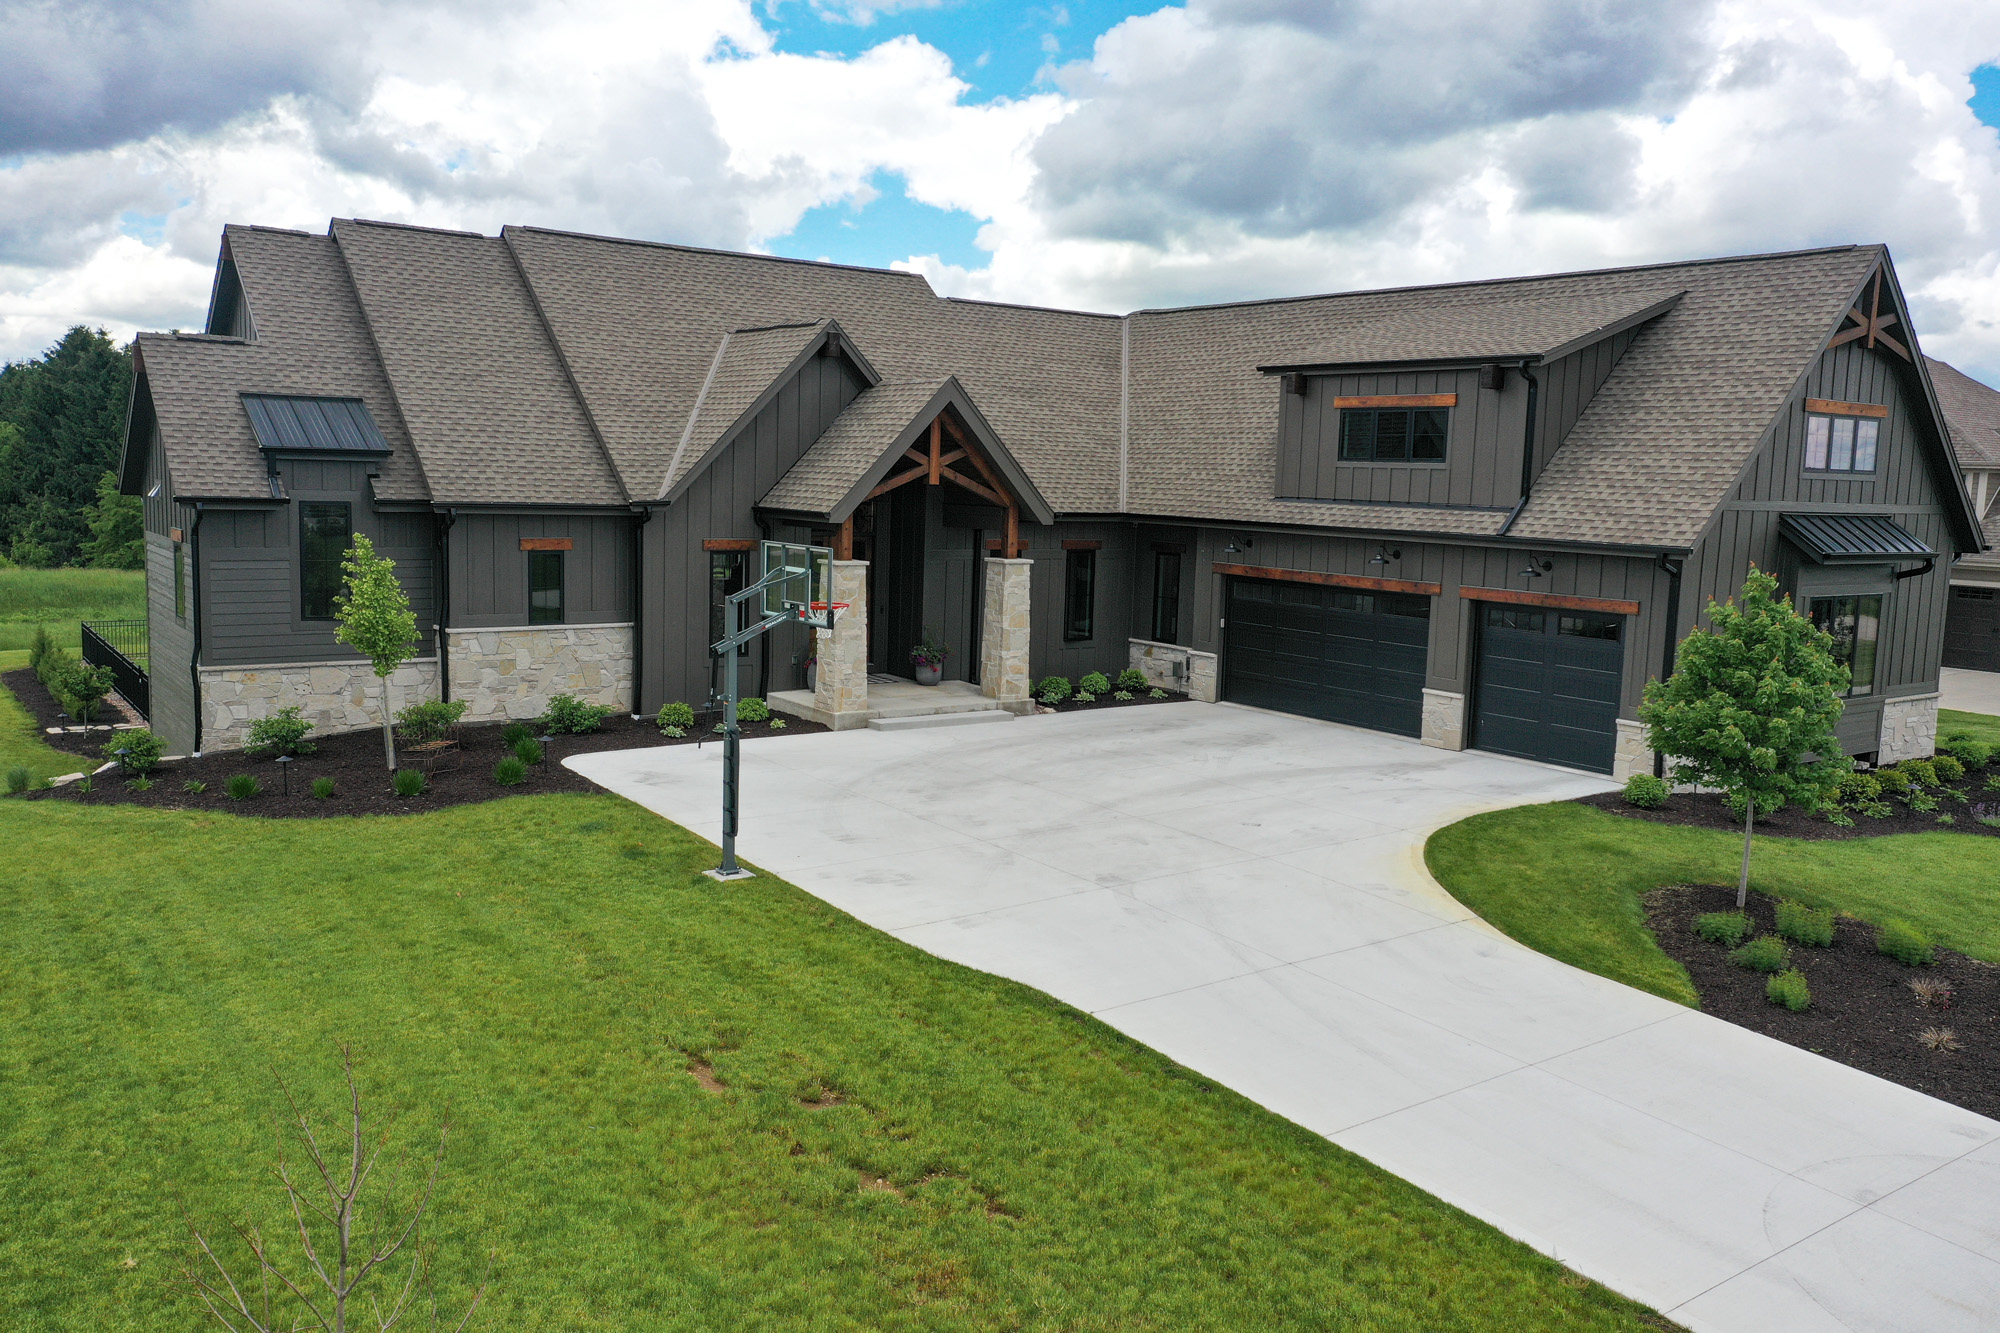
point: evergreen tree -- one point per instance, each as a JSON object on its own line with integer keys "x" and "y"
{"x": 67, "y": 414}
{"x": 117, "y": 528}
{"x": 1750, "y": 708}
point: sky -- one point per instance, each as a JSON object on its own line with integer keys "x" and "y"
{"x": 1095, "y": 155}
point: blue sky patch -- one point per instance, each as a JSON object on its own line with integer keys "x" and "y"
{"x": 893, "y": 226}
{"x": 150, "y": 228}
{"x": 1985, "y": 101}
{"x": 1000, "y": 49}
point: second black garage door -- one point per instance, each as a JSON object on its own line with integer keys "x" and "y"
{"x": 1549, "y": 684}
{"x": 1355, "y": 657}
{"x": 1972, "y": 629}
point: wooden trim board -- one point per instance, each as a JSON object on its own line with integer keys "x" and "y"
{"x": 729, "y": 544}
{"x": 1605, "y": 605}
{"x": 548, "y": 544}
{"x": 1069, "y": 545}
{"x": 1833, "y": 407}
{"x": 1399, "y": 400}
{"x": 1361, "y": 581}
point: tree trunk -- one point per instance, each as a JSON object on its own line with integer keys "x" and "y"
{"x": 1743, "y": 880}
{"x": 388, "y": 732}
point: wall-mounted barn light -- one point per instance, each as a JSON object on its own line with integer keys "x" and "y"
{"x": 1537, "y": 567}
{"x": 1237, "y": 546}
{"x": 1384, "y": 554}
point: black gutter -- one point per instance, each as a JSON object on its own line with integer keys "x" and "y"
{"x": 1527, "y": 449}
{"x": 644, "y": 514}
{"x": 1673, "y": 570}
{"x": 1919, "y": 571}
{"x": 763, "y": 643}
{"x": 194, "y": 658}
{"x": 443, "y": 580}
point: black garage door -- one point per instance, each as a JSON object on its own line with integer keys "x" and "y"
{"x": 1548, "y": 684}
{"x": 1354, "y": 657}
{"x": 1972, "y": 629}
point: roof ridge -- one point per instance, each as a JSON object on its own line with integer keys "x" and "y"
{"x": 712, "y": 250}
{"x": 1022, "y": 305}
{"x": 228, "y": 227}
{"x": 407, "y": 226}
{"x": 774, "y": 328}
{"x": 1519, "y": 278}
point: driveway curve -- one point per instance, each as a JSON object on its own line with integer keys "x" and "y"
{"x": 1245, "y": 892}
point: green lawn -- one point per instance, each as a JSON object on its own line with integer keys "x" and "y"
{"x": 20, "y": 744}
{"x": 547, "y": 967}
{"x": 1981, "y": 726}
{"x": 1568, "y": 880}
{"x": 59, "y": 598}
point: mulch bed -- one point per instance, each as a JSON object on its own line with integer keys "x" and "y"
{"x": 1711, "y": 811}
{"x": 461, "y": 775}
{"x": 1863, "y": 1011}
{"x": 1104, "y": 701}
{"x": 43, "y": 708}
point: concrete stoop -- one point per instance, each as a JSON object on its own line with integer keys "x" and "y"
{"x": 914, "y": 722}
{"x": 900, "y": 705}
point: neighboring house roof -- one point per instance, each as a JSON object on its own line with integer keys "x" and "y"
{"x": 1972, "y": 411}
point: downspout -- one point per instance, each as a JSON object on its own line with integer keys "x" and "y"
{"x": 644, "y": 514}
{"x": 444, "y": 602}
{"x": 194, "y": 658}
{"x": 1527, "y": 449}
{"x": 764, "y": 641}
{"x": 1673, "y": 570}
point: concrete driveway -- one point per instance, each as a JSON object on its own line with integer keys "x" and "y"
{"x": 1245, "y": 892}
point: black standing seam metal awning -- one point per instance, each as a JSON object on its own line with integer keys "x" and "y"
{"x": 313, "y": 425}
{"x": 1852, "y": 539}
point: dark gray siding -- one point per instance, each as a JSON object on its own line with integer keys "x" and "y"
{"x": 1908, "y": 485}
{"x": 489, "y": 570}
{"x": 1568, "y": 385}
{"x": 250, "y": 570}
{"x": 170, "y": 637}
{"x": 1108, "y": 648}
{"x": 721, "y": 504}
{"x": 1147, "y": 537}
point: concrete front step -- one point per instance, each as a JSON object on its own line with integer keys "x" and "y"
{"x": 960, "y": 719}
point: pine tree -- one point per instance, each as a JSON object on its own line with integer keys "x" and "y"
{"x": 1750, "y": 708}
{"x": 68, "y": 413}
{"x": 117, "y": 528}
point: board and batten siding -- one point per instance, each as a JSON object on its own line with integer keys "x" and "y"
{"x": 489, "y": 570}
{"x": 1108, "y": 649}
{"x": 170, "y": 638}
{"x": 721, "y": 503}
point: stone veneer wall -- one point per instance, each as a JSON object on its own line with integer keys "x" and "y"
{"x": 511, "y": 673}
{"x": 840, "y": 680}
{"x": 1003, "y": 635}
{"x": 1444, "y": 719}
{"x": 1909, "y": 728}
{"x": 1632, "y": 754}
{"x": 1168, "y": 666}
{"x": 333, "y": 696}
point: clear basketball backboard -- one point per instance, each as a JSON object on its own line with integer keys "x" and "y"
{"x": 804, "y": 590}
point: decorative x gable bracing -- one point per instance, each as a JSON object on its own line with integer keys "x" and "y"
{"x": 1874, "y": 322}
{"x": 939, "y": 463}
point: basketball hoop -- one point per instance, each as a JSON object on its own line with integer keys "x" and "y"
{"x": 828, "y": 606}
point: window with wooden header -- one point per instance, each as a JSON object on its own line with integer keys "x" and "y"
{"x": 545, "y": 587}
{"x": 1393, "y": 434}
{"x": 1842, "y": 437}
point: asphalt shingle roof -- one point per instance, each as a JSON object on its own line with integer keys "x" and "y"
{"x": 1418, "y": 329}
{"x": 1971, "y": 413}
{"x": 851, "y": 445}
{"x": 745, "y": 364}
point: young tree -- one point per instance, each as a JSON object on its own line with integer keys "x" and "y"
{"x": 1750, "y": 708}
{"x": 375, "y": 618}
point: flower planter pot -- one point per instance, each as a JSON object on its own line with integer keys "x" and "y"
{"x": 929, "y": 673}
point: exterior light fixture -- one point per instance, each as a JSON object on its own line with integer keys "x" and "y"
{"x": 1384, "y": 554}
{"x": 285, "y": 771}
{"x": 121, "y": 752}
{"x": 1237, "y": 546}
{"x": 1537, "y": 567}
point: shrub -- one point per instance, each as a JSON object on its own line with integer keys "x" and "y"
{"x": 1646, "y": 791}
{"x": 1904, "y": 943}
{"x": 140, "y": 783}
{"x": 409, "y": 782}
{"x": 432, "y": 720}
{"x": 1766, "y": 953}
{"x": 1156, "y": 693}
{"x": 19, "y": 779}
{"x": 1933, "y": 992}
{"x": 82, "y": 688}
{"x": 242, "y": 786}
{"x": 39, "y": 648}
{"x": 516, "y": 732}
{"x": 510, "y": 772}
{"x": 142, "y": 750}
{"x": 1947, "y": 819}
{"x": 283, "y": 732}
{"x": 1947, "y": 768}
{"x": 1858, "y": 790}
{"x": 1131, "y": 678}
{"x": 84, "y": 784}
{"x": 1094, "y": 682}
{"x": 673, "y": 733}
{"x": 55, "y": 660}
{"x": 1053, "y": 689}
{"x": 569, "y": 715}
{"x": 1085, "y": 697}
{"x": 1806, "y": 925}
{"x": 1838, "y": 818}
{"x": 1121, "y": 695}
{"x": 676, "y": 714}
{"x": 752, "y": 710}
{"x": 194, "y": 786}
{"x": 528, "y": 750}
{"x": 1919, "y": 800}
{"x": 1920, "y": 772}
{"x": 1971, "y": 753}
{"x": 1789, "y": 989}
{"x": 322, "y": 789}
{"x": 1730, "y": 928}
{"x": 778, "y": 724}
{"x": 1767, "y": 807}
{"x": 1892, "y": 781}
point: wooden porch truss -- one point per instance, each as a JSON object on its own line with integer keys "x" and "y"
{"x": 935, "y": 465}
{"x": 1872, "y": 324}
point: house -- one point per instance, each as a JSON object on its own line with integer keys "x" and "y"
{"x": 1478, "y": 514}
{"x": 1972, "y": 618}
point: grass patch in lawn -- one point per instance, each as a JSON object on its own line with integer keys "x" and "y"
{"x": 20, "y": 743}
{"x": 1982, "y": 726}
{"x": 1569, "y": 881}
{"x": 677, "y": 1104}
{"x": 61, "y": 598}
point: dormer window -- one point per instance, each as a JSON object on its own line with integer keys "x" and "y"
{"x": 1842, "y": 437}
{"x": 1393, "y": 434}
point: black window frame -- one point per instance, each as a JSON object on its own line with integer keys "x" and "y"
{"x": 1166, "y": 596}
{"x": 1361, "y": 435}
{"x": 539, "y": 564}
{"x": 316, "y": 564}
{"x": 1832, "y": 443}
{"x": 728, "y": 571}
{"x": 1079, "y": 596}
{"x": 1847, "y": 647}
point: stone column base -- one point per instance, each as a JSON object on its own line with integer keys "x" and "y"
{"x": 1444, "y": 719}
{"x": 1632, "y": 754}
{"x": 840, "y": 681}
{"x": 1169, "y": 666}
{"x": 1003, "y": 635}
{"x": 1909, "y": 728}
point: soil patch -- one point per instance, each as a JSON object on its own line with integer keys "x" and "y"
{"x": 459, "y": 775}
{"x": 1863, "y": 1011}
{"x": 1966, "y": 801}
{"x": 1105, "y": 701}
{"x": 40, "y": 705}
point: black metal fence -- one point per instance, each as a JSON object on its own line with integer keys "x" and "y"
{"x": 121, "y": 645}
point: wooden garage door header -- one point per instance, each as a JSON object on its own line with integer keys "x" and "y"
{"x": 1331, "y": 580}
{"x": 1605, "y": 605}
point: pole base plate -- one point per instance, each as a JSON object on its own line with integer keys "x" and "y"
{"x": 738, "y": 873}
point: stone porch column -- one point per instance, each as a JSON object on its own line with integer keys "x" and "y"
{"x": 840, "y": 684}
{"x": 1003, "y": 636}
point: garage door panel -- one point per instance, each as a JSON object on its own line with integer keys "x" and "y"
{"x": 1548, "y": 684}
{"x": 1351, "y": 657}
{"x": 1972, "y": 629}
